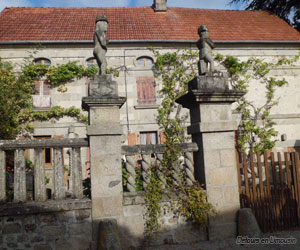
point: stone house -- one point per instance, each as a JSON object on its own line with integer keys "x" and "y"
{"x": 58, "y": 35}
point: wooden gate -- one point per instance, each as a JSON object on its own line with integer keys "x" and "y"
{"x": 270, "y": 185}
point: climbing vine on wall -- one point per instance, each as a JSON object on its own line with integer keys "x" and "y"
{"x": 256, "y": 131}
{"x": 18, "y": 86}
{"x": 175, "y": 70}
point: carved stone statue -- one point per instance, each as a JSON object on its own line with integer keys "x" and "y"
{"x": 205, "y": 46}
{"x": 101, "y": 41}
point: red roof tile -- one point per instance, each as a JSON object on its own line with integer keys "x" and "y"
{"x": 141, "y": 23}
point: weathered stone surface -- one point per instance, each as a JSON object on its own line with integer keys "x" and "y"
{"x": 30, "y": 228}
{"x": 47, "y": 218}
{"x": 80, "y": 228}
{"x": 189, "y": 235}
{"x": 53, "y": 230}
{"x": 22, "y": 238}
{"x": 108, "y": 235}
{"x": 12, "y": 228}
{"x": 43, "y": 247}
{"x": 103, "y": 86}
{"x": 247, "y": 224}
{"x": 72, "y": 243}
{"x": 12, "y": 245}
{"x": 82, "y": 214}
{"x": 37, "y": 238}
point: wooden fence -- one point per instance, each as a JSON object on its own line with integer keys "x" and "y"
{"x": 270, "y": 185}
{"x": 19, "y": 175}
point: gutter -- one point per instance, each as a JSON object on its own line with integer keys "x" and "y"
{"x": 142, "y": 41}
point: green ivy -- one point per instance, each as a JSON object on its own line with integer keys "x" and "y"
{"x": 16, "y": 90}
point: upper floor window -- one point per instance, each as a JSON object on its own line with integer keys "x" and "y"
{"x": 146, "y": 90}
{"x": 91, "y": 62}
{"x": 44, "y": 61}
{"x": 144, "y": 61}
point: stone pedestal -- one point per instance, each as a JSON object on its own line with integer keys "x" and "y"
{"x": 212, "y": 128}
{"x": 104, "y": 131}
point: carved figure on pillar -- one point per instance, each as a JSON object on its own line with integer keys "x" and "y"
{"x": 205, "y": 46}
{"x": 101, "y": 41}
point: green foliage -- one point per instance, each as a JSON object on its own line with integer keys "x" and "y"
{"x": 153, "y": 196}
{"x": 252, "y": 135}
{"x": 175, "y": 71}
{"x": 16, "y": 107}
{"x": 193, "y": 205}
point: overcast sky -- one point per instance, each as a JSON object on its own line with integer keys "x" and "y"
{"x": 202, "y": 4}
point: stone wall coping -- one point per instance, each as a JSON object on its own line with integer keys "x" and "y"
{"x": 138, "y": 198}
{"x": 194, "y": 97}
{"x": 155, "y": 148}
{"x": 11, "y": 209}
{"x": 42, "y": 143}
{"x": 98, "y": 101}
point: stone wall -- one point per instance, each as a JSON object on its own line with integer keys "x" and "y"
{"x": 52, "y": 225}
{"x": 174, "y": 229}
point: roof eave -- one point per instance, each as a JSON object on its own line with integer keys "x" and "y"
{"x": 143, "y": 41}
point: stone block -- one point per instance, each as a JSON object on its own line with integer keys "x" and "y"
{"x": 104, "y": 115}
{"x": 221, "y": 177}
{"x": 30, "y": 227}
{"x": 132, "y": 210}
{"x": 228, "y": 157}
{"x": 215, "y": 196}
{"x": 53, "y": 230}
{"x": 47, "y": 218}
{"x": 12, "y": 228}
{"x": 73, "y": 243}
{"x": 231, "y": 195}
{"x": 107, "y": 206}
{"x": 225, "y": 214}
{"x": 108, "y": 235}
{"x": 222, "y": 231}
{"x": 80, "y": 229}
{"x": 103, "y": 165}
{"x": 82, "y": 214}
{"x": 132, "y": 225}
{"x": 66, "y": 216}
{"x": 43, "y": 247}
{"x": 22, "y": 238}
{"x": 109, "y": 185}
{"x": 220, "y": 140}
{"x": 212, "y": 159}
{"x": 12, "y": 245}
{"x": 37, "y": 238}
{"x": 190, "y": 235}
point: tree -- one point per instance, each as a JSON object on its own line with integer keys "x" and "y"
{"x": 16, "y": 106}
{"x": 282, "y": 8}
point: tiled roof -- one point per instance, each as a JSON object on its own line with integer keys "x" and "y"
{"x": 141, "y": 23}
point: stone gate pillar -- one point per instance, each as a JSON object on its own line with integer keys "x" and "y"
{"x": 212, "y": 128}
{"x": 104, "y": 132}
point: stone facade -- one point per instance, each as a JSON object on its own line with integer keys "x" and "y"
{"x": 58, "y": 226}
{"x": 137, "y": 118}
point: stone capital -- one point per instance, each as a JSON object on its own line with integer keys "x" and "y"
{"x": 100, "y": 101}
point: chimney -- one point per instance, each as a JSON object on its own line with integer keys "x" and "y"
{"x": 160, "y": 5}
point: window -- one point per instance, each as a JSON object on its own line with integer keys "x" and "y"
{"x": 44, "y": 61}
{"x": 42, "y": 98}
{"x": 148, "y": 137}
{"x": 91, "y": 62}
{"x": 144, "y": 61}
{"x": 146, "y": 90}
{"x": 47, "y": 151}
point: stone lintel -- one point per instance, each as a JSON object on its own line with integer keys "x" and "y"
{"x": 104, "y": 129}
{"x": 195, "y": 97}
{"x": 102, "y": 101}
{"x": 211, "y": 127}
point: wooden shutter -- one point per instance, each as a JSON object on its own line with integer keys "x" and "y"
{"x": 146, "y": 90}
